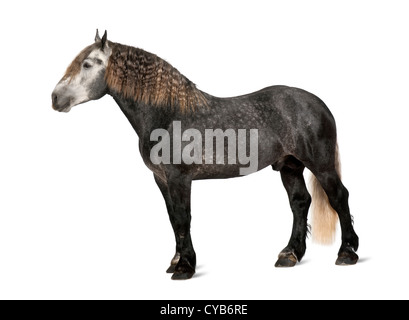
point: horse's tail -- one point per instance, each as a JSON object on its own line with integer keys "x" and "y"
{"x": 324, "y": 217}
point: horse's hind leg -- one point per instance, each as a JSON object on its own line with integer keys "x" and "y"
{"x": 300, "y": 200}
{"x": 338, "y": 198}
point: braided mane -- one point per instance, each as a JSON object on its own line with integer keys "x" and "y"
{"x": 144, "y": 77}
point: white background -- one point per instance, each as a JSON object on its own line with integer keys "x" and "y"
{"x": 80, "y": 214}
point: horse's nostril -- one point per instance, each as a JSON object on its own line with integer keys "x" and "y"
{"x": 54, "y": 98}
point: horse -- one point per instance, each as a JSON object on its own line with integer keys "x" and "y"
{"x": 289, "y": 128}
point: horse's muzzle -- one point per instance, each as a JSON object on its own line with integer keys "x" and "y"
{"x": 61, "y": 105}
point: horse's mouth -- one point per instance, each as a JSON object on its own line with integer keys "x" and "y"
{"x": 65, "y": 108}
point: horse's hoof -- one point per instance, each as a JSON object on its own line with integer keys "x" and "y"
{"x": 183, "y": 275}
{"x": 183, "y": 271}
{"x": 171, "y": 269}
{"x": 347, "y": 258}
{"x": 286, "y": 260}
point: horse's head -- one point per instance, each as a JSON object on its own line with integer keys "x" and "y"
{"x": 84, "y": 79}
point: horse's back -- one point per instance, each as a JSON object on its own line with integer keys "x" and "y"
{"x": 285, "y": 111}
{"x": 277, "y": 99}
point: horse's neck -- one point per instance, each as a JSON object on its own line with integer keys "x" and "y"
{"x": 131, "y": 112}
{"x": 144, "y": 118}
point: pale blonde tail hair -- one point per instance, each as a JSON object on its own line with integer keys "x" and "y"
{"x": 324, "y": 217}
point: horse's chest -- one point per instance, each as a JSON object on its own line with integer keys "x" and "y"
{"x": 145, "y": 151}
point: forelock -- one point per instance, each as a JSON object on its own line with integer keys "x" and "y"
{"x": 75, "y": 67}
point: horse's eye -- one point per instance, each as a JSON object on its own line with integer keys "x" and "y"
{"x": 86, "y": 65}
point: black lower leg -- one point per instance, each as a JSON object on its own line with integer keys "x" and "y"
{"x": 338, "y": 198}
{"x": 179, "y": 190}
{"x": 300, "y": 200}
{"x": 185, "y": 267}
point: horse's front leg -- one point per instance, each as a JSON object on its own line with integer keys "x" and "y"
{"x": 164, "y": 189}
{"x": 176, "y": 192}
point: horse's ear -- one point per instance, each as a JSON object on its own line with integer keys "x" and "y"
{"x": 104, "y": 41}
{"x": 97, "y": 37}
